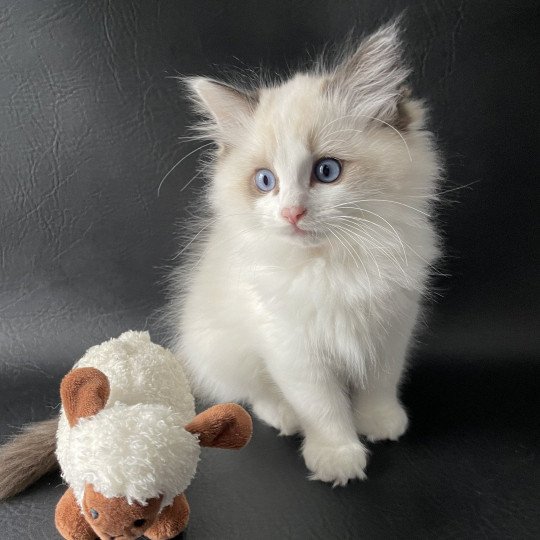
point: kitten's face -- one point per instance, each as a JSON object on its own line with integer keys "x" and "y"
{"x": 312, "y": 160}
{"x": 305, "y": 164}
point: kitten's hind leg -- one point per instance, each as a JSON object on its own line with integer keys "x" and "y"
{"x": 221, "y": 372}
{"x": 379, "y": 419}
{"x": 276, "y": 412}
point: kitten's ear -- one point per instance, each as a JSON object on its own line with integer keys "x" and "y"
{"x": 226, "y": 105}
{"x": 371, "y": 78}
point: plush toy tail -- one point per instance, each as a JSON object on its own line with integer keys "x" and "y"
{"x": 28, "y": 456}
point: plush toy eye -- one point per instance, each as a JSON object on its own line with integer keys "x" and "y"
{"x": 94, "y": 513}
{"x": 265, "y": 180}
{"x": 139, "y": 522}
{"x": 327, "y": 170}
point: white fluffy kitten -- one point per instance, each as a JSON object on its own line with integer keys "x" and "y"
{"x": 303, "y": 292}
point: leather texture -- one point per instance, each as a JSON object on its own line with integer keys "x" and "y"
{"x": 90, "y": 115}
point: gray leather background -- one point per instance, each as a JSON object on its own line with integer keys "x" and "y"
{"x": 90, "y": 115}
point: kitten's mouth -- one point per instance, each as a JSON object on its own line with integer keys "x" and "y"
{"x": 301, "y": 237}
{"x": 297, "y": 230}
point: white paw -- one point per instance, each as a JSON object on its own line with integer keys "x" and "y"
{"x": 380, "y": 423}
{"x": 279, "y": 415}
{"x": 336, "y": 464}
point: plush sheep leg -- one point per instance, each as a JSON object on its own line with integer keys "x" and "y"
{"x": 69, "y": 520}
{"x": 172, "y": 520}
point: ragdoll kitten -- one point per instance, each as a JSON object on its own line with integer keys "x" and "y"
{"x": 303, "y": 292}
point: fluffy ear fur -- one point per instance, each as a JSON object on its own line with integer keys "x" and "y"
{"x": 224, "y": 105}
{"x": 222, "y": 426}
{"x": 371, "y": 78}
{"x": 84, "y": 392}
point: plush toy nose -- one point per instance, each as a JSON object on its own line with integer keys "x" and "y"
{"x": 128, "y": 535}
{"x": 293, "y": 214}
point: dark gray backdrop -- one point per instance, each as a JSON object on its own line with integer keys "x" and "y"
{"x": 90, "y": 115}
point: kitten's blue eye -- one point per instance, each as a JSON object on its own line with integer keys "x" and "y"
{"x": 94, "y": 513}
{"x": 327, "y": 170}
{"x": 265, "y": 180}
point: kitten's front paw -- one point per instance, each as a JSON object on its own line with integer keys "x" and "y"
{"x": 279, "y": 415}
{"x": 336, "y": 464}
{"x": 380, "y": 423}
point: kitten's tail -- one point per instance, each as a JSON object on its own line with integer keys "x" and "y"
{"x": 27, "y": 456}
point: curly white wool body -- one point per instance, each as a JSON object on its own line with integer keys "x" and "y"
{"x": 136, "y": 447}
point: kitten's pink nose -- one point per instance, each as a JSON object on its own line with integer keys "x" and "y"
{"x": 293, "y": 214}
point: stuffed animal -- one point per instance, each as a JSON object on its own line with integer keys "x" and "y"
{"x": 128, "y": 441}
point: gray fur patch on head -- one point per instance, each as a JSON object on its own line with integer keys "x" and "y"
{"x": 371, "y": 76}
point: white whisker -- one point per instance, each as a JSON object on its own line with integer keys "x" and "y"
{"x": 396, "y": 130}
{"x": 351, "y": 235}
{"x": 326, "y": 141}
{"x": 370, "y": 290}
{"x": 387, "y": 222}
{"x": 394, "y": 202}
{"x": 348, "y": 250}
{"x": 178, "y": 163}
{"x": 369, "y": 224}
{"x": 436, "y": 194}
{"x": 194, "y": 238}
{"x": 196, "y": 175}
{"x": 355, "y": 227}
{"x": 333, "y": 121}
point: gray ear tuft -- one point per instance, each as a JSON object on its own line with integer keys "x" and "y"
{"x": 371, "y": 78}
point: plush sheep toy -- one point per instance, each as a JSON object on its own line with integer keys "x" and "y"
{"x": 128, "y": 441}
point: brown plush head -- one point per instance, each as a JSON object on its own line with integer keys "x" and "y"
{"x": 115, "y": 518}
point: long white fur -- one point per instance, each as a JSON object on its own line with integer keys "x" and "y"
{"x": 136, "y": 447}
{"x": 313, "y": 330}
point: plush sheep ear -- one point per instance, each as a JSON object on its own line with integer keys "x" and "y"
{"x": 226, "y": 105}
{"x": 84, "y": 392}
{"x": 222, "y": 426}
{"x": 372, "y": 77}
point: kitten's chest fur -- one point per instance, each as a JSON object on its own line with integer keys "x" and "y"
{"x": 272, "y": 299}
{"x": 336, "y": 310}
